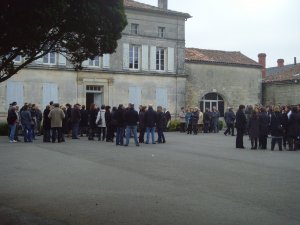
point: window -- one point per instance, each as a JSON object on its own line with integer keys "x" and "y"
{"x": 49, "y": 58}
{"x": 14, "y": 93}
{"x": 211, "y": 100}
{"x": 95, "y": 62}
{"x": 160, "y": 59}
{"x": 93, "y": 88}
{"x": 161, "y": 32}
{"x": 134, "y": 57}
{"x": 134, "y": 28}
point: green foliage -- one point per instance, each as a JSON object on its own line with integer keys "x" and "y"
{"x": 78, "y": 29}
{"x": 3, "y": 129}
{"x": 221, "y": 124}
{"x": 174, "y": 125}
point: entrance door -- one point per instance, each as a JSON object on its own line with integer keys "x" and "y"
{"x": 93, "y": 98}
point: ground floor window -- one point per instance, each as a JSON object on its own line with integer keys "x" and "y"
{"x": 210, "y": 100}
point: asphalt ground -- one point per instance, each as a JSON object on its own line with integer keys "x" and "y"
{"x": 191, "y": 180}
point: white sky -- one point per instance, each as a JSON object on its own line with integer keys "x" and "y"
{"x": 248, "y": 26}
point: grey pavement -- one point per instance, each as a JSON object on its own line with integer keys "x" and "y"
{"x": 190, "y": 180}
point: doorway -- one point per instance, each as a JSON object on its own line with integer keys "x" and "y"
{"x": 93, "y": 95}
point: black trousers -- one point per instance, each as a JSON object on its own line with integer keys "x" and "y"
{"x": 239, "y": 138}
{"x": 230, "y": 129}
{"x": 274, "y": 141}
{"x": 56, "y": 132}
{"x": 142, "y": 134}
{"x": 103, "y": 131}
{"x": 263, "y": 141}
{"x": 182, "y": 127}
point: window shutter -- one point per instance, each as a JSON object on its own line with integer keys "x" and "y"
{"x": 106, "y": 61}
{"x": 61, "y": 60}
{"x": 152, "y": 58}
{"x": 171, "y": 60}
{"x": 135, "y": 96}
{"x": 125, "y": 56}
{"x": 14, "y": 93}
{"x": 145, "y": 58}
{"x": 162, "y": 97}
{"x": 50, "y": 93}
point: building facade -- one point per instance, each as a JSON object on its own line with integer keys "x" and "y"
{"x": 147, "y": 67}
{"x": 222, "y": 79}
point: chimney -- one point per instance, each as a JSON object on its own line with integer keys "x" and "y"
{"x": 280, "y": 62}
{"x": 163, "y": 4}
{"x": 295, "y": 60}
{"x": 262, "y": 62}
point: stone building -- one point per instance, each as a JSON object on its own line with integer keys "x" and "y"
{"x": 221, "y": 79}
{"x": 147, "y": 67}
{"x": 281, "y": 84}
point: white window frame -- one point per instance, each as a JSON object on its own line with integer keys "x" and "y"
{"x": 48, "y": 58}
{"x": 160, "y": 59}
{"x": 161, "y": 32}
{"x": 134, "y": 29}
{"x": 134, "y": 54}
{"x": 95, "y": 62}
{"x": 18, "y": 59}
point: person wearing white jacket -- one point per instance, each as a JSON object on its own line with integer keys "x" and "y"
{"x": 100, "y": 121}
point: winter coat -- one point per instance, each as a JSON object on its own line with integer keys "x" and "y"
{"x": 92, "y": 118}
{"x": 195, "y": 118}
{"x": 160, "y": 120}
{"x": 263, "y": 124}
{"x": 276, "y": 126}
{"x": 101, "y": 114}
{"x": 46, "y": 120}
{"x": 182, "y": 117}
{"x": 294, "y": 125}
{"x": 108, "y": 118}
{"x": 253, "y": 127}
{"x": 84, "y": 118}
{"x": 150, "y": 118}
{"x": 141, "y": 120}
{"x": 119, "y": 117}
{"x": 229, "y": 117}
{"x": 26, "y": 119}
{"x": 12, "y": 117}
{"x": 131, "y": 117}
{"x": 56, "y": 115}
{"x": 241, "y": 121}
{"x": 75, "y": 115}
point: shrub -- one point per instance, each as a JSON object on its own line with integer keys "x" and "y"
{"x": 3, "y": 129}
{"x": 221, "y": 124}
{"x": 174, "y": 125}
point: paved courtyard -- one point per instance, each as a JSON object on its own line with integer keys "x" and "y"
{"x": 190, "y": 180}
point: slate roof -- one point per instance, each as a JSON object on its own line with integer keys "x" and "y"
{"x": 195, "y": 55}
{"x": 285, "y": 73}
{"x": 130, "y": 4}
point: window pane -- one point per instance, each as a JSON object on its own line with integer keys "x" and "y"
{"x": 52, "y": 57}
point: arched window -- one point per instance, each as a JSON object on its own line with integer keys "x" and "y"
{"x": 210, "y": 100}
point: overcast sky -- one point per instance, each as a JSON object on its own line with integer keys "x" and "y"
{"x": 248, "y": 26}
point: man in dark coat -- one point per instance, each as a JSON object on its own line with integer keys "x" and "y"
{"x": 229, "y": 120}
{"x": 84, "y": 121}
{"x": 240, "y": 125}
{"x": 119, "y": 117}
{"x": 160, "y": 125}
{"x": 276, "y": 128}
{"x": 150, "y": 122}
{"x": 131, "y": 117}
{"x": 46, "y": 124}
{"x": 75, "y": 120}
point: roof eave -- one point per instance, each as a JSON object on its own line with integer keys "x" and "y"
{"x": 223, "y": 63}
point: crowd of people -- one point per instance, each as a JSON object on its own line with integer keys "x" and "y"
{"x": 116, "y": 124}
{"x": 119, "y": 124}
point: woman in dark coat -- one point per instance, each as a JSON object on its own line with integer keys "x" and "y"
{"x": 263, "y": 128}
{"x": 46, "y": 124}
{"x": 293, "y": 129}
{"x": 253, "y": 129}
{"x": 276, "y": 128}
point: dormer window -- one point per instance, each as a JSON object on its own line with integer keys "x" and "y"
{"x": 161, "y": 32}
{"x": 134, "y": 28}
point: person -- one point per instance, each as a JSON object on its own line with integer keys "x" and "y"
{"x": 93, "y": 112}
{"x": 293, "y": 129}
{"x": 285, "y": 121}
{"x": 194, "y": 120}
{"x": 240, "y": 125}
{"x": 263, "y": 128}
{"x": 83, "y": 124}
{"x": 159, "y": 125}
{"x": 253, "y": 129}
{"x": 167, "y": 119}
{"x": 75, "y": 120}
{"x": 215, "y": 119}
{"x": 200, "y": 122}
{"x": 119, "y": 116}
{"x": 46, "y": 124}
{"x": 26, "y": 122}
{"x": 68, "y": 115}
{"x": 34, "y": 120}
{"x": 108, "y": 122}
{"x": 150, "y": 122}
{"x": 182, "y": 120}
{"x": 142, "y": 127}
{"x": 39, "y": 117}
{"x": 100, "y": 121}
{"x": 12, "y": 123}
{"x": 131, "y": 117}
{"x": 56, "y": 116}
{"x": 189, "y": 116}
{"x": 206, "y": 120}
{"x": 276, "y": 128}
{"x": 229, "y": 120}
